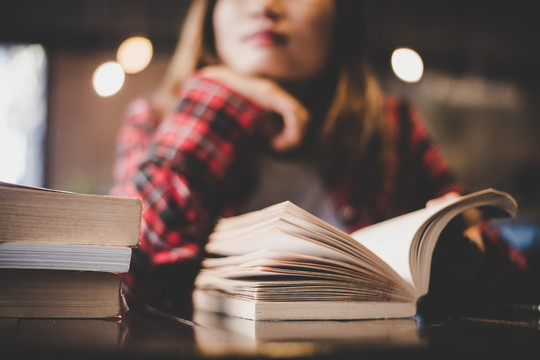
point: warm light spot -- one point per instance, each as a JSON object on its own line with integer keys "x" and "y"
{"x": 134, "y": 54}
{"x": 108, "y": 78}
{"x": 407, "y": 65}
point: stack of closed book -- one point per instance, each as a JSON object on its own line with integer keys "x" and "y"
{"x": 62, "y": 253}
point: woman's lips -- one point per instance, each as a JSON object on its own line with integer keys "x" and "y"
{"x": 267, "y": 38}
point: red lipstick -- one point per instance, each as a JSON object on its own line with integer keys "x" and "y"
{"x": 268, "y": 38}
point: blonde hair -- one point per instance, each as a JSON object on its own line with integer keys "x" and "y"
{"x": 352, "y": 136}
{"x": 190, "y": 53}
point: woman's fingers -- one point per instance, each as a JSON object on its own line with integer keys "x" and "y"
{"x": 271, "y": 97}
{"x": 448, "y": 196}
{"x": 295, "y": 118}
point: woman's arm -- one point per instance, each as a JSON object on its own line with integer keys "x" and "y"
{"x": 271, "y": 97}
{"x": 179, "y": 169}
{"x": 133, "y": 138}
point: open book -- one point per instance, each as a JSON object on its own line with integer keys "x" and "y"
{"x": 283, "y": 263}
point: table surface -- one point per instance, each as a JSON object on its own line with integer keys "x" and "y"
{"x": 150, "y": 334}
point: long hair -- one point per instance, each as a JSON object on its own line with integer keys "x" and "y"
{"x": 352, "y": 136}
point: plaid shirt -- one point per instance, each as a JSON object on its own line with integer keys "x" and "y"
{"x": 196, "y": 164}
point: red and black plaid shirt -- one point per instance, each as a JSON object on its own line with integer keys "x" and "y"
{"x": 195, "y": 164}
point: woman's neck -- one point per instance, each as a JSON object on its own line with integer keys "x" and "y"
{"x": 314, "y": 94}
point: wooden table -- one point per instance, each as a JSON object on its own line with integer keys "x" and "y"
{"x": 153, "y": 335}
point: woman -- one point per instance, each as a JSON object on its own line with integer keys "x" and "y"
{"x": 266, "y": 100}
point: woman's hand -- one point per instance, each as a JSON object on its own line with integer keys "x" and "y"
{"x": 448, "y": 196}
{"x": 459, "y": 254}
{"x": 470, "y": 219}
{"x": 271, "y": 97}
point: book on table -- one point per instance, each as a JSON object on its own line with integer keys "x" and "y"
{"x": 400, "y": 331}
{"x": 62, "y": 253}
{"x": 95, "y": 334}
{"x": 283, "y": 263}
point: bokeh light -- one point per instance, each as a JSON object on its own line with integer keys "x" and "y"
{"x": 134, "y": 54}
{"x": 108, "y": 78}
{"x": 407, "y": 65}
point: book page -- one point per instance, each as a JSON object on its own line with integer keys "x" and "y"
{"x": 369, "y": 332}
{"x": 65, "y": 257}
{"x": 391, "y": 239}
{"x": 39, "y": 215}
{"x": 294, "y": 220}
{"x": 238, "y": 306}
{"x": 280, "y": 234}
{"x": 276, "y": 238}
{"x": 296, "y": 289}
{"x": 269, "y": 260}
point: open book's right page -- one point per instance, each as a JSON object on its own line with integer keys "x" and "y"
{"x": 391, "y": 239}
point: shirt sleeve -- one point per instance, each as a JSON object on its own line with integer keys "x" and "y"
{"x": 132, "y": 141}
{"x": 178, "y": 169}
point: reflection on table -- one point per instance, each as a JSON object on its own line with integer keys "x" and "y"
{"x": 152, "y": 334}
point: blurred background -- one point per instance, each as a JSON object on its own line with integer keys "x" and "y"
{"x": 476, "y": 85}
